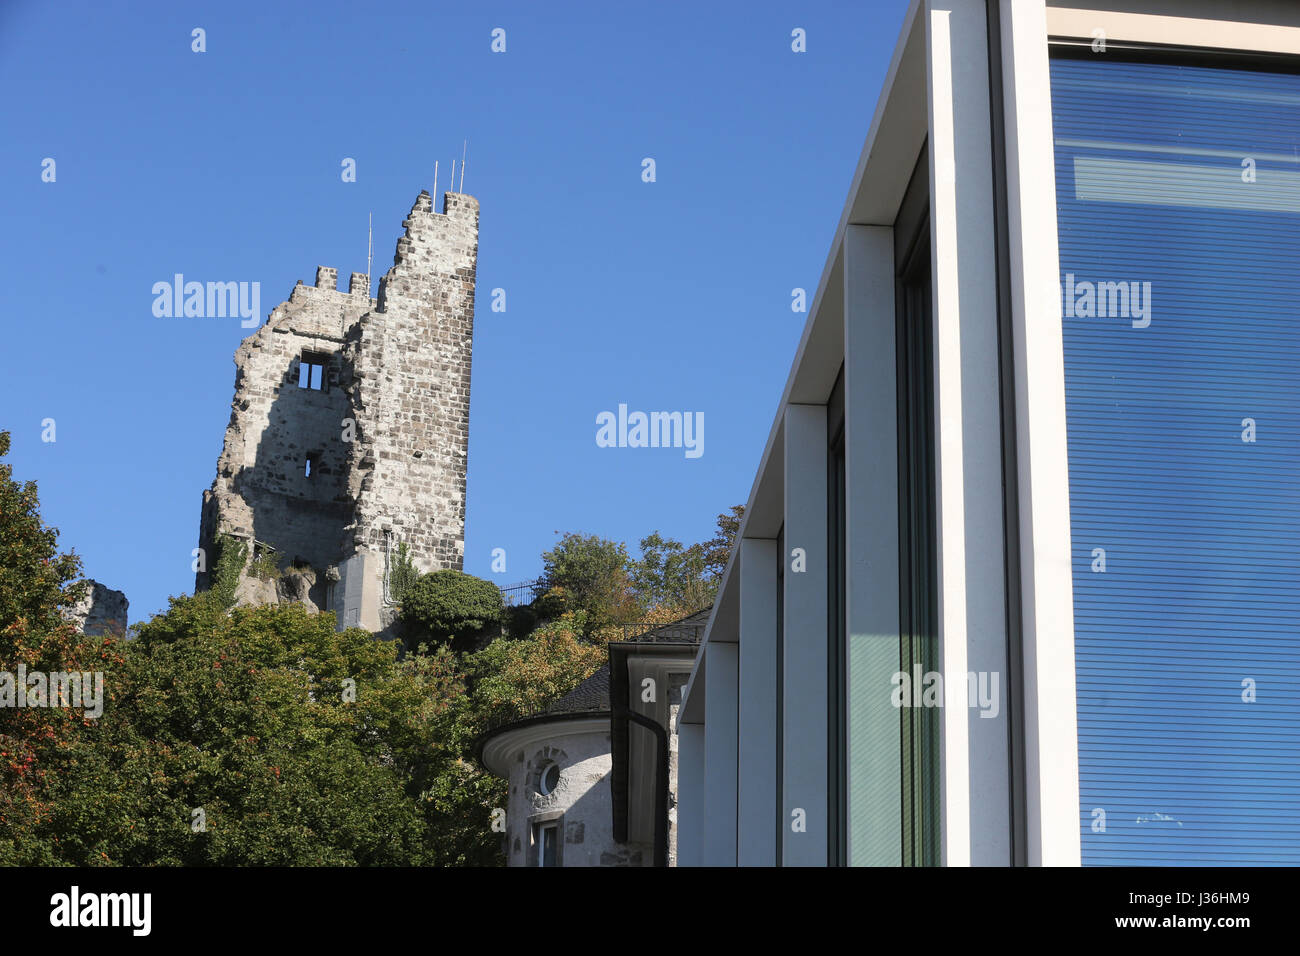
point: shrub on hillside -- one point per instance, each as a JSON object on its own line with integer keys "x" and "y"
{"x": 451, "y": 607}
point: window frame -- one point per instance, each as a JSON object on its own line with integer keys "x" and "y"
{"x": 542, "y": 788}
{"x": 779, "y": 781}
{"x": 920, "y": 730}
{"x": 836, "y": 629}
{"x": 538, "y": 824}
{"x": 309, "y": 362}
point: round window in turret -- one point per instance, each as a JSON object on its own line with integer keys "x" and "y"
{"x": 548, "y": 779}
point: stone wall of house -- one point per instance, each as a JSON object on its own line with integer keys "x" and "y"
{"x": 583, "y": 800}
{"x": 386, "y": 433}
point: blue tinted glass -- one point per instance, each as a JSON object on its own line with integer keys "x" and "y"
{"x": 1178, "y": 194}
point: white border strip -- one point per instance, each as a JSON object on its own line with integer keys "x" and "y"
{"x": 1047, "y": 587}
{"x": 1224, "y": 34}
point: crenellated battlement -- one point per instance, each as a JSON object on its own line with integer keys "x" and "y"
{"x": 432, "y": 243}
{"x": 326, "y": 288}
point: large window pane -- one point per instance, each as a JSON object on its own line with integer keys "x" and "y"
{"x": 1178, "y": 192}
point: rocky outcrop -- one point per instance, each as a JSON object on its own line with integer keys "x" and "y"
{"x": 294, "y": 587}
{"x": 101, "y": 610}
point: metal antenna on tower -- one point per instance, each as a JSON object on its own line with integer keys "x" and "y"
{"x": 435, "y": 183}
{"x": 370, "y": 247}
{"x": 464, "y": 150}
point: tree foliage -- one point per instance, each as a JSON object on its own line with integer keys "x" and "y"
{"x": 264, "y": 736}
{"x": 232, "y": 555}
{"x": 450, "y": 607}
{"x": 718, "y": 548}
{"x": 590, "y": 574}
{"x": 597, "y": 577}
{"x": 35, "y": 573}
{"x": 404, "y": 573}
{"x": 257, "y": 737}
{"x": 36, "y": 588}
{"x": 670, "y": 575}
{"x": 513, "y": 679}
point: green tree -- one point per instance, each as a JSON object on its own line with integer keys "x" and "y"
{"x": 33, "y": 585}
{"x": 590, "y": 574}
{"x": 670, "y": 575}
{"x": 718, "y": 548}
{"x": 36, "y": 588}
{"x": 258, "y": 737}
{"x": 450, "y": 607}
{"x": 512, "y": 679}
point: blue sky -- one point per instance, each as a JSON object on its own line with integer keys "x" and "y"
{"x": 225, "y": 165}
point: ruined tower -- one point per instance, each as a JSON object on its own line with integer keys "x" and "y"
{"x": 349, "y": 429}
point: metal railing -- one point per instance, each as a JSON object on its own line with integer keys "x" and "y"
{"x": 524, "y": 593}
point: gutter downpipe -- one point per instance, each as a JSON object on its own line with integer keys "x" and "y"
{"x": 661, "y": 783}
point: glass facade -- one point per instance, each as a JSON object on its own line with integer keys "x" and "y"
{"x": 918, "y": 651}
{"x": 1178, "y": 192}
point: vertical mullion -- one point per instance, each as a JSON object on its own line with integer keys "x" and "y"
{"x": 917, "y": 639}
{"x": 780, "y": 696}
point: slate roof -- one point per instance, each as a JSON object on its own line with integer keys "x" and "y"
{"x": 589, "y": 697}
{"x": 592, "y": 696}
{"x": 688, "y": 630}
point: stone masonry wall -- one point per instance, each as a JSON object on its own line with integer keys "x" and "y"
{"x": 262, "y": 493}
{"x": 410, "y": 390}
{"x": 387, "y": 432}
{"x": 582, "y": 801}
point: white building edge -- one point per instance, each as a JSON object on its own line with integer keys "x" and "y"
{"x": 781, "y": 761}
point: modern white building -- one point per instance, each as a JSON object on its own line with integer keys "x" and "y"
{"x": 1040, "y": 445}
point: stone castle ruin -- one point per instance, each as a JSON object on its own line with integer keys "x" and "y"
{"x": 100, "y": 610}
{"x": 349, "y": 429}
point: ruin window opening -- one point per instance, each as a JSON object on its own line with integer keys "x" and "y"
{"x": 311, "y": 463}
{"x": 311, "y": 371}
